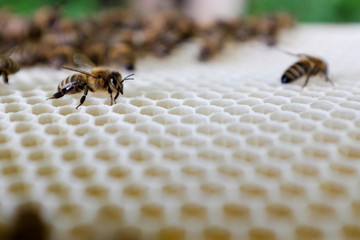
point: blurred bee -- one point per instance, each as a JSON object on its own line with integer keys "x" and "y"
{"x": 7, "y": 65}
{"x": 123, "y": 50}
{"x": 307, "y": 66}
{"x": 98, "y": 79}
{"x": 213, "y": 41}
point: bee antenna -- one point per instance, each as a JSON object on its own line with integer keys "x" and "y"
{"x": 290, "y": 53}
{"x": 128, "y": 77}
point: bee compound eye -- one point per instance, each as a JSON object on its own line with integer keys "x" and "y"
{"x": 113, "y": 81}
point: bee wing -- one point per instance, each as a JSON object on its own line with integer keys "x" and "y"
{"x": 83, "y": 61}
{"x": 10, "y": 51}
{"x": 80, "y": 71}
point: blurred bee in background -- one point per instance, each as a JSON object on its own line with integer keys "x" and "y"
{"x": 307, "y": 66}
{"x": 7, "y": 65}
{"x": 98, "y": 79}
{"x": 269, "y": 26}
{"x": 123, "y": 50}
{"x": 241, "y": 30}
{"x": 212, "y": 41}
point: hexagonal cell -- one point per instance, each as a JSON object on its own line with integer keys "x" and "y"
{"x": 207, "y": 110}
{"x": 96, "y": 111}
{"x": 344, "y": 114}
{"x": 283, "y": 116}
{"x": 83, "y": 130}
{"x": 209, "y": 95}
{"x": 281, "y": 153}
{"x": 253, "y": 118}
{"x": 193, "y": 119}
{"x": 333, "y": 189}
{"x": 168, "y": 103}
{"x": 110, "y": 213}
{"x": 293, "y": 191}
{"x": 343, "y": 170}
{"x": 152, "y": 211}
{"x": 211, "y": 155}
{"x": 67, "y": 110}
{"x": 320, "y": 210}
{"x": 182, "y": 95}
{"x": 165, "y": 119}
{"x": 335, "y": 124}
{"x": 122, "y": 108}
{"x": 47, "y": 171}
{"x": 214, "y": 232}
{"x": 128, "y": 139}
{"x": 326, "y": 137}
{"x": 72, "y": 155}
{"x": 181, "y": 111}
{"x": 83, "y": 172}
{"x": 316, "y": 152}
{"x": 303, "y": 125}
{"x": 303, "y": 232}
{"x": 14, "y": 107}
{"x": 20, "y": 189}
{"x": 107, "y": 155}
{"x": 222, "y": 118}
{"x": 12, "y": 170}
{"x": 246, "y": 156}
{"x": 294, "y": 107}
{"x": 179, "y": 131}
{"x": 56, "y": 129}
{"x": 65, "y": 101}
{"x": 292, "y": 138}
{"x": 151, "y": 110}
{"x": 236, "y": 212}
{"x": 140, "y": 102}
{"x": 276, "y": 100}
{"x": 306, "y": 170}
{"x": 265, "y": 108}
{"x": 161, "y": 142}
{"x": 97, "y": 191}
{"x": 41, "y": 109}
{"x": 48, "y": 118}
{"x": 141, "y": 155}
{"x": 323, "y": 105}
{"x": 209, "y": 129}
{"x": 149, "y": 128}
{"x": 39, "y": 155}
{"x": 176, "y": 155}
{"x": 135, "y": 118}
{"x": 32, "y": 140}
{"x": 172, "y": 232}
{"x": 24, "y": 127}
{"x": 135, "y": 191}
{"x": 278, "y": 211}
{"x": 193, "y": 211}
{"x": 350, "y": 231}
{"x": 119, "y": 172}
{"x": 195, "y": 102}
{"x": 314, "y": 115}
{"x": 271, "y": 127}
{"x": 226, "y": 141}
{"x": 19, "y": 117}
{"x": 269, "y": 172}
{"x": 250, "y": 102}
{"x": 252, "y": 190}
{"x": 76, "y": 119}
{"x": 259, "y": 141}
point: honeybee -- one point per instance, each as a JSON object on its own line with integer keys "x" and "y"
{"x": 213, "y": 41}
{"x": 98, "y": 79}
{"x": 7, "y": 65}
{"x": 307, "y": 66}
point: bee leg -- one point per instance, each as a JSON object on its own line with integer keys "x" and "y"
{"x": 116, "y": 96}
{"x": 327, "y": 79}
{"x": 5, "y": 76}
{"x": 111, "y": 97}
{"x": 82, "y": 99}
{"x": 61, "y": 93}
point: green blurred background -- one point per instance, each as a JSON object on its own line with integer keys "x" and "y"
{"x": 304, "y": 10}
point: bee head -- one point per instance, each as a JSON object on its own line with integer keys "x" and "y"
{"x": 116, "y": 81}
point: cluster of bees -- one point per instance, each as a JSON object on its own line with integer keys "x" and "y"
{"x": 119, "y": 37}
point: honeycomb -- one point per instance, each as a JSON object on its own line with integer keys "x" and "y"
{"x": 217, "y": 150}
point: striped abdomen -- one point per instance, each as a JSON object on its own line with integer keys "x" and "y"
{"x": 296, "y": 71}
{"x": 74, "y": 83}
{"x": 8, "y": 65}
